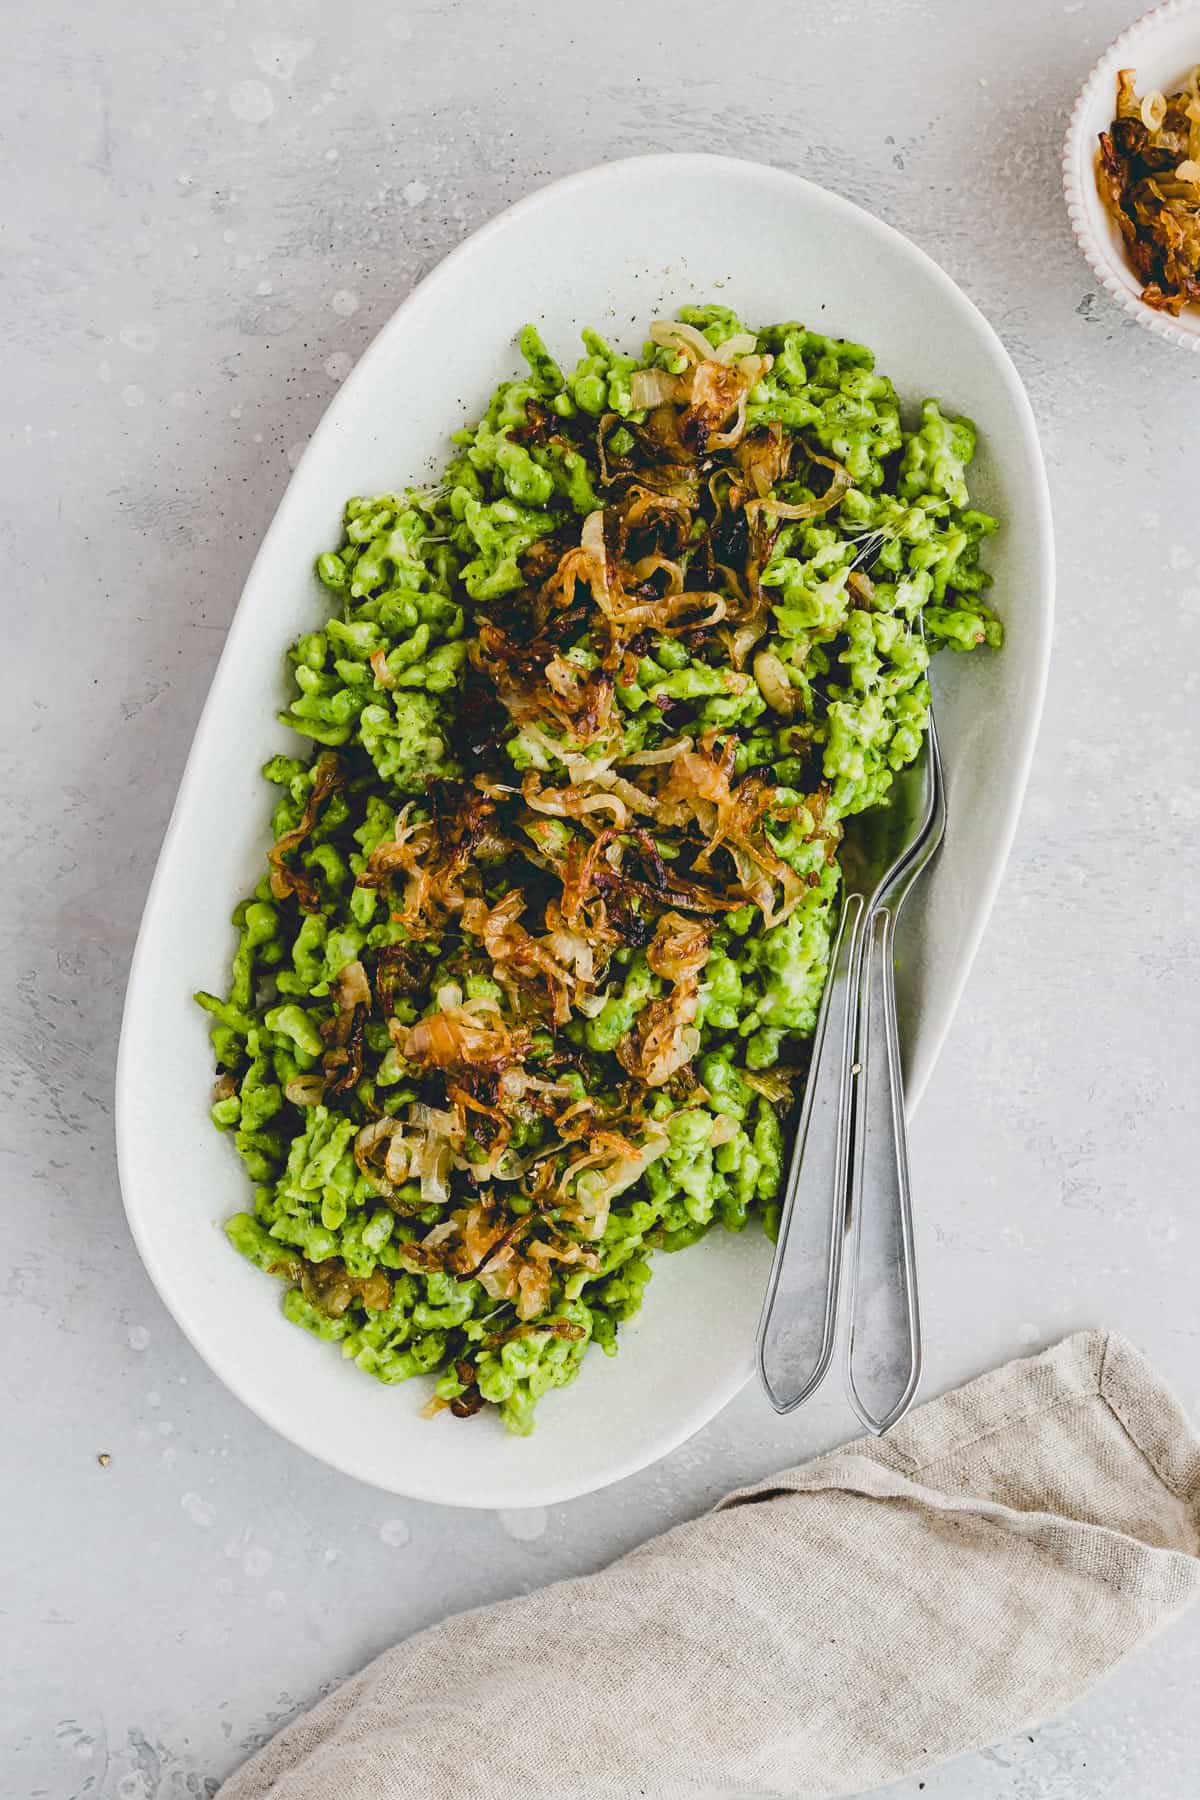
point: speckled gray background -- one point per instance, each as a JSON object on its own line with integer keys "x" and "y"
{"x": 209, "y": 212}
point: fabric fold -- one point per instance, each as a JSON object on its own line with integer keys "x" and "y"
{"x": 821, "y": 1633}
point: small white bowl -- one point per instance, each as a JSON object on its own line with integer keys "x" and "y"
{"x": 1162, "y": 47}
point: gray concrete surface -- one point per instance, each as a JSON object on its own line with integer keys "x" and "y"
{"x": 210, "y": 210}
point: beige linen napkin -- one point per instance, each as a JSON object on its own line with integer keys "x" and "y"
{"x": 819, "y": 1634}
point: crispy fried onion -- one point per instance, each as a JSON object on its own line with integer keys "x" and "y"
{"x": 776, "y": 1085}
{"x": 456, "y": 1038}
{"x": 655, "y": 387}
{"x": 731, "y": 817}
{"x": 536, "y": 679}
{"x": 716, "y": 412}
{"x": 1148, "y": 175}
{"x": 623, "y": 577}
{"x": 599, "y": 796}
{"x": 559, "y": 1328}
{"x": 591, "y": 1181}
{"x": 664, "y": 1037}
{"x": 555, "y": 969}
{"x": 508, "y": 1260}
{"x": 429, "y": 859}
{"x": 774, "y": 685}
{"x": 679, "y": 948}
{"x": 330, "y": 1286}
{"x": 593, "y": 566}
{"x": 422, "y": 1148}
{"x": 750, "y": 615}
{"x": 285, "y": 878}
{"x": 762, "y": 458}
{"x": 343, "y": 1060}
{"x": 305, "y": 1090}
{"x": 839, "y": 486}
{"x": 599, "y": 883}
{"x": 715, "y": 385}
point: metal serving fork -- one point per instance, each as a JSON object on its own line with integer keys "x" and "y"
{"x": 838, "y": 1175}
{"x": 883, "y": 1343}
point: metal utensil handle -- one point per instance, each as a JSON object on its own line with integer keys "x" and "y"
{"x": 798, "y": 1331}
{"x": 883, "y": 1345}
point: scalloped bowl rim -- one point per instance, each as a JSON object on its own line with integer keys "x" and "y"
{"x": 1100, "y": 243}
